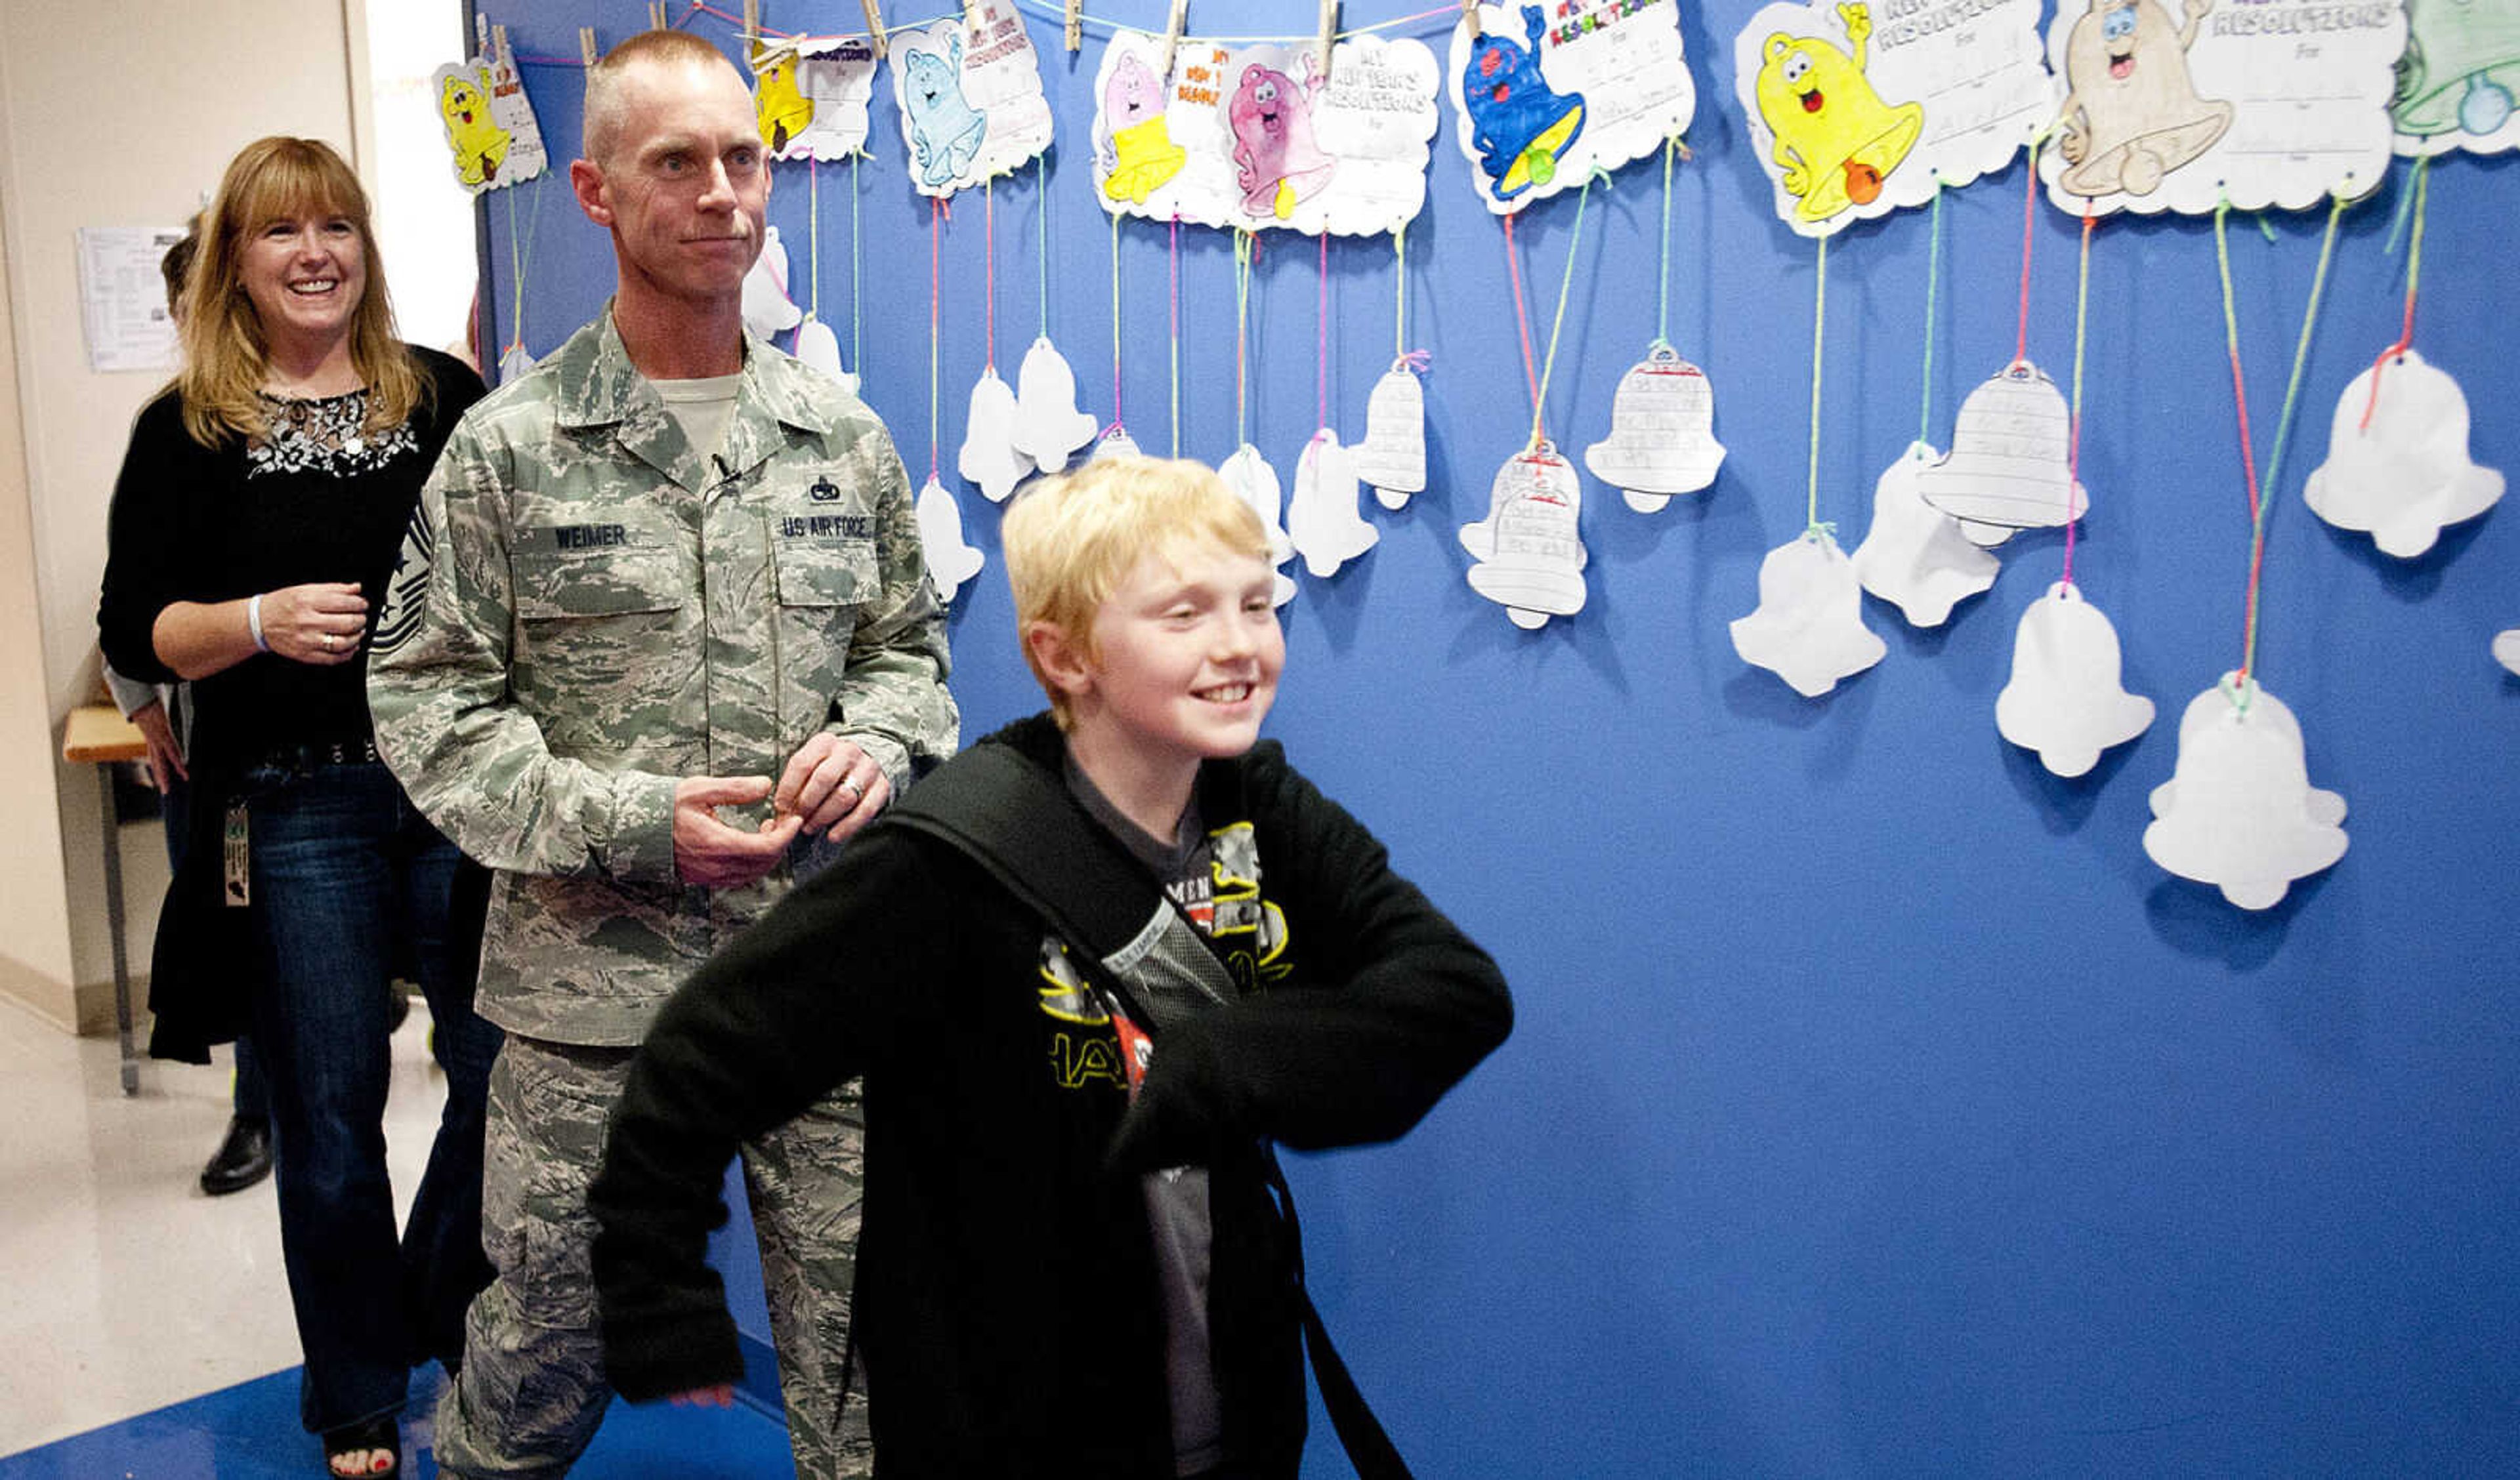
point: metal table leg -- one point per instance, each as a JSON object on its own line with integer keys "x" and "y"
{"x": 113, "y": 924}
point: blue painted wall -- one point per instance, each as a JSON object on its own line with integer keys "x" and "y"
{"x": 1877, "y": 1107}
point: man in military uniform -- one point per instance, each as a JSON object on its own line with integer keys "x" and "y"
{"x": 663, "y": 628}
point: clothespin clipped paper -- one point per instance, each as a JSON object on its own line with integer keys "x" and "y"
{"x": 1074, "y": 26}
{"x": 1329, "y": 34}
{"x": 481, "y": 33}
{"x": 752, "y": 27}
{"x": 657, "y": 15}
{"x": 875, "y": 24}
{"x": 586, "y": 44}
{"x": 1173, "y": 25}
{"x": 1471, "y": 13}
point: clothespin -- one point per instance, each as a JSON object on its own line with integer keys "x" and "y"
{"x": 481, "y": 34}
{"x": 1471, "y": 13}
{"x": 655, "y": 15}
{"x": 586, "y": 44}
{"x": 1329, "y": 34}
{"x": 498, "y": 44}
{"x": 1075, "y": 27}
{"x": 752, "y": 27}
{"x": 875, "y": 24}
{"x": 1172, "y": 36}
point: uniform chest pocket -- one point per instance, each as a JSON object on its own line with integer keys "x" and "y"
{"x": 614, "y": 583}
{"x": 841, "y": 574}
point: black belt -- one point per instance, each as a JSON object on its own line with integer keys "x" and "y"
{"x": 308, "y": 757}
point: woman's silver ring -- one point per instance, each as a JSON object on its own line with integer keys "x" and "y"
{"x": 327, "y": 642}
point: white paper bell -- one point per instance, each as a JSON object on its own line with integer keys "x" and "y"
{"x": 1049, "y": 428}
{"x": 514, "y": 363}
{"x": 949, "y": 560}
{"x": 1662, "y": 432}
{"x": 2239, "y": 812}
{"x": 988, "y": 456}
{"x": 1255, "y": 482}
{"x": 1530, "y": 548}
{"x": 2405, "y": 475}
{"x": 1809, "y": 626}
{"x": 767, "y": 308}
{"x": 1321, "y": 518}
{"x": 2064, "y": 699}
{"x": 819, "y": 347}
{"x": 1115, "y": 442}
{"x": 1393, "y": 455}
{"x": 2506, "y": 648}
{"x": 2010, "y": 465}
{"x": 1914, "y": 556}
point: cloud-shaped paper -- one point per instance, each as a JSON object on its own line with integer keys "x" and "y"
{"x": 970, "y": 99}
{"x": 2010, "y": 465}
{"x": 1321, "y": 518}
{"x": 988, "y": 456}
{"x": 2459, "y": 77}
{"x": 1252, "y": 138}
{"x": 1544, "y": 96}
{"x": 1049, "y": 428}
{"x": 1255, "y": 482}
{"x": 810, "y": 97}
{"x": 2239, "y": 813}
{"x": 2065, "y": 701}
{"x": 2506, "y": 648}
{"x": 949, "y": 560}
{"x": 1530, "y": 548}
{"x": 2173, "y": 109}
{"x": 1914, "y": 556}
{"x": 767, "y": 308}
{"x": 2405, "y": 475}
{"x": 1662, "y": 432}
{"x": 1809, "y": 625}
{"x": 1856, "y": 109}
{"x": 1393, "y": 455}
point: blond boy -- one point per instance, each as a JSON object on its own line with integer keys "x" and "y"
{"x": 1072, "y": 1259}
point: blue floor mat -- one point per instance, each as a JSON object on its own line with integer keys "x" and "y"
{"x": 251, "y": 1432}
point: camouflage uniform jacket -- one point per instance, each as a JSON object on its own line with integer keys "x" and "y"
{"x": 587, "y": 611}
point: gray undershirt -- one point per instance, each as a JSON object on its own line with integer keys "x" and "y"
{"x": 700, "y": 408}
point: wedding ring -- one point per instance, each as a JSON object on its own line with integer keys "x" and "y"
{"x": 327, "y": 642}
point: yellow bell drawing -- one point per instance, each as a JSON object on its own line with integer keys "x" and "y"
{"x": 782, "y": 109}
{"x": 1148, "y": 157}
{"x": 1836, "y": 140}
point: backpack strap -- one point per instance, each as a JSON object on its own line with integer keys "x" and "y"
{"x": 1017, "y": 821}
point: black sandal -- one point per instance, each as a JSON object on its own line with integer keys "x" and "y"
{"x": 365, "y": 1451}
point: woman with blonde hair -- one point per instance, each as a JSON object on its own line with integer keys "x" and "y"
{"x": 261, "y": 507}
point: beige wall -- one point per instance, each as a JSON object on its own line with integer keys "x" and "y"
{"x": 216, "y": 74}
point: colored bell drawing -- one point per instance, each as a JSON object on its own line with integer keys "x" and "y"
{"x": 950, "y": 562}
{"x": 2239, "y": 813}
{"x": 1393, "y": 455}
{"x": 1809, "y": 626}
{"x": 1530, "y": 548}
{"x": 2010, "y": 465}
{"x": 1049, "y": 428}
{"x": 2404, "y": 474}
{"x": 1145, "y": 157}
{"x": 2462, "y": 68}
{"x": 988, "y": 456}
{"x": 2064, "y": 701}
{"x": 1836, "y": 140}
{"x": 1914, "y": 556}
{"x": 1662, "y": 432}
{"x": 817, "y": 345}
{"x": 2133, "y": 115}
{"x": 1255, "y": 482}
{"x": 1321, "y": 518}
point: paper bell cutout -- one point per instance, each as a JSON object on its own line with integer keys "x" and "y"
{"x": 1116, "y": 443}
{"x": 767, "y": 308}
{"x": 514, "y": 363}
{"x": 2132, "y": 115}
{"x": 950, "y": 562}
{"x": 1321, "y": 518}
{"x": 1049, "y": 428}
{"x": 2507, "y": 649}
{"x": 819, "y": 347}
{"x": 1914, "y": 556}
{"x": 1530, "y": 548}
{"x": 2010, "y": 465}
{"x": 1255, "y": 482}
{"x": 2461, "y": 71}
{"x": 1662, "y": 432}
{"x": 2064, "y": 701}
{"x": 988, "y": 456}
{"x": 2239, "y": 813}
{"x": 1393, "y": 455}
{"x": 1809, "y": 626}
{"x": 2405, "y": 475}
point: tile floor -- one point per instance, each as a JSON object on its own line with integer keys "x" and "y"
{"x": 146, "y": 1331}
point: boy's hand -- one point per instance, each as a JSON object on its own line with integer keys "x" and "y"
{"x": 832, "y": 788}
{"x": 713, "y": 854}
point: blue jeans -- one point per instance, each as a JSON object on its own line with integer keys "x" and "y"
{"x": 348, "y": 880}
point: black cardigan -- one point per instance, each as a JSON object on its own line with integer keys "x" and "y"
{"x": 1007, "y": 1303}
